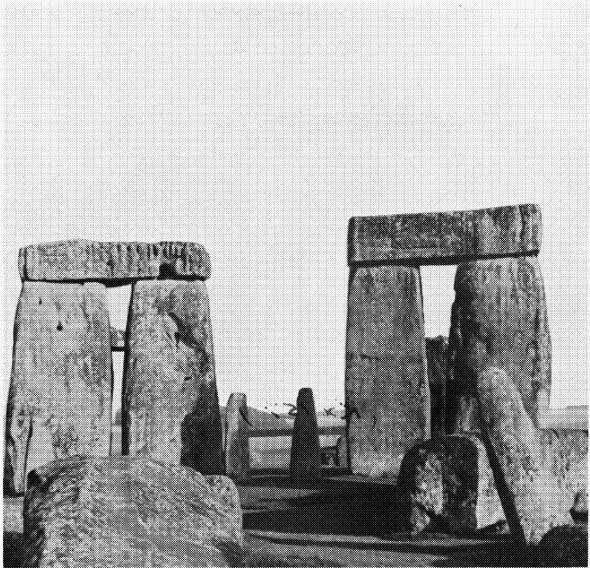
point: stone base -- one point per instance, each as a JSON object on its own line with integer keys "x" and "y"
{"x": 448, "y": 482}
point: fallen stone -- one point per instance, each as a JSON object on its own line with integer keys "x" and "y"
{"x": 452, "y": 237}
{"x": 437, "y": 358}
{"x": 447, "y": 483}
{"x": 59, "y": 401}
{"x": 528, "y": 489}
{"x": 564, "y": 546}
{"x": 387, "y": 393}
{"x": 237, "y": 448}
{"x": 499, "y": 319}
{"x": 170, "y": 358}
{"x": 305, "y": 440}
{"x": 123, "y": 511}
{"x": 113, "y": 262}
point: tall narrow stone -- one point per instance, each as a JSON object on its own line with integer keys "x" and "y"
{"x": 500, "y": 319}
{"x": 305, "y": 442}
{"x": 387, "y": 393}
{"x": 170, "y": 404}
{"x": 527, "y": 485}
{"x": 59, "y": 401}
{"x": 437, "y": 354}
{"x": 237, "y": 449}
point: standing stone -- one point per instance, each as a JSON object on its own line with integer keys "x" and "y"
{"x": 237, "y": 449}
{"x": 500, "y": 319}
{"x": 529, "y": 491}
{"x": 448, "y": 481}
{"x": 59, "y": 401}
{"x": 170, "y": 404}
{"x": 305, "y": 442}
{"x": 387, "y": 394}
{"x": 437, "y": 355}
{"x": 129, "y": 512}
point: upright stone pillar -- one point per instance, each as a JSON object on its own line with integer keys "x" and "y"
{"x": 500, "y": 320}
{"x": 237, "y": 448}
{"x": 59, "y": 402}
{"x": 170, "y": 406}
{"x": 387, "y": 395}
{"x": 305, "y": 441}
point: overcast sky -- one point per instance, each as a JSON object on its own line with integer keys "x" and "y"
{"x": 260, "y": 132}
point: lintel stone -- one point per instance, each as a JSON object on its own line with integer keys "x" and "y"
{"x": 113, "y": 262}
{"x": 447, "y": 237}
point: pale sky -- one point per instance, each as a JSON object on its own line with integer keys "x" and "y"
{"x": 259, "y": 132}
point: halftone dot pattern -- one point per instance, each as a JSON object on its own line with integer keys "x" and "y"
{"x": 258, "y": 131}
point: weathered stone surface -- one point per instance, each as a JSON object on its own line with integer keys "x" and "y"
{"x": 123, "y": 511}
{"x": 117, "y": 340}
{"x": 565, "y": 545}
{"x": 342, "y": 451}
{"x": 305, "y": 440}
{"x": 437, "y": 358}
{"x": 499, "y": 319}
{"x": 579, "y": 510}
{"x": 564, "y": 454}
{"x": 237, "y": 448}
{"x": 59, "y": 401}
{"x": 528, "y": 489}
{"x": 448, "y": 481}
{"x": 113, "y": 262}
{"x": 170, "y": 404}
{"x": 452, "y": 237}
{"x": 387, "y": 394}
{"x": 13, "y": 514}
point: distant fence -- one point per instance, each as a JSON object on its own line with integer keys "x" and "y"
{"x": 275, "y": 432}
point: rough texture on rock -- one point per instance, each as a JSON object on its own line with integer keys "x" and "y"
{"x": 237, "y": 448}
{"x": 305, "y": 440}
{"x": 387, "y": 394}
{"x": 579, "y": 510}
{"x": 499, "y": 319}
{"x": 564, "y": 454}
{"x": 13, "y": 514}
{"x": 448, "y": 481}
{"x": 127, "y": 512}
{"x": 113, "y": 262}
{"x": 564, "y": 546}
{"x": 529, "y": 491}
{"x": 437, "y": 357}
{"x": 170, "y": 404}
{"x": 453, "y": 236}
{"x": 59, "y": 401}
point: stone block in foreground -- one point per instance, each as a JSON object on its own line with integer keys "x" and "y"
{"x": 170, "y": 404}
{"x": 305, "y": 439}
{"x": 128, "y": 512}
{"x": 447, "y": 481}
{"x": 113, "y": 262}
{"x": 59, "y": 401}
{"x": 387, "y": 392}
{"x": 451, "y": 237}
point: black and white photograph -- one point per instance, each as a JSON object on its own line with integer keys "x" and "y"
{"x": 295, "y": 284}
